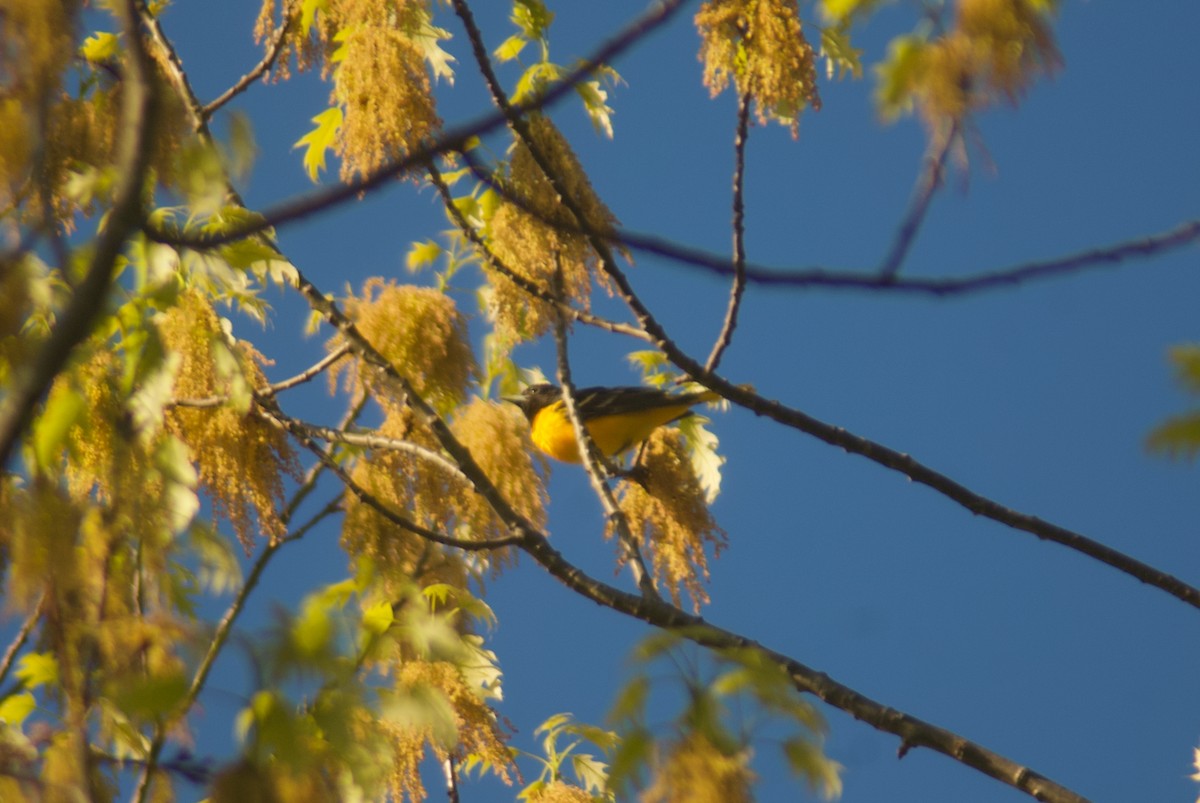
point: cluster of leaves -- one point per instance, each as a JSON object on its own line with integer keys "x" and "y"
{"x": 993, "y": 50}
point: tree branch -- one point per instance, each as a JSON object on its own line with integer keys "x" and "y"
{"x": 138, "y": 104}
{"x": 739, "y": 234}
{"x": 270, "y": 411}
{"x": 837, "y": 436}
{"x": 913, "y": 732}
{"x": 307, "y": 375}
{"x": 918, "y": 472}
{"x": 14, "y": 647}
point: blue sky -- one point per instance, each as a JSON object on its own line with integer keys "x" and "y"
{"x": 1038, "y": 396}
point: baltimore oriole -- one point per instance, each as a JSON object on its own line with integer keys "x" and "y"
{"x": 617, "y": 418}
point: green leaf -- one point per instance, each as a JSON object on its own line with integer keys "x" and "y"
{"x": 595, "y": 103}
{"x": 63, "y": 410}
{"x": 631, "y": 700}
{"x": 806, "y": 759}
{"x": 320, "y": 140}
{"x": 510, "y": 48}
{"x": 899, "y": 75}
{"x": 420, "y": 707}
{"x": 174, "y": 464}
{"x": 1177, "y": 438}
{"x": 702, "y": 449}
{"x": 592, "y": 774}
{"x": 16, "y": 707}
{"x": 377, "y": 618}
{"x": 842, "y": 10}
{"x": 242, "y": 149}
{"x": 1187, "y": 366}
{"x": 312, "y": 629}
{"x": 308, "y": 13}
{"x": 150, "y": 697}
{"x": 219, "y": 570}
{"x": 422, "y": 255}
{"x": 532, "y": 17}
{"x": 840, "y": 56}
{"x": 535, "y": 79}
{"x": 631, "y": 756}
{"x": 38, "y": 669}
{"x": 428, "y": 40}
{"x": 100, "y": 47}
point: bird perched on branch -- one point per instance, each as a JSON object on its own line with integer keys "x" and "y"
{"x": 616, "y": 418}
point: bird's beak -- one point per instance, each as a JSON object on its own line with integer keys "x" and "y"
{"x": 517, "y": 400}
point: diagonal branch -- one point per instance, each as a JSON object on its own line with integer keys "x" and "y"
{"x": 593, "y": 461}
{"x": 138, "y": 105}
{"x": 919, "y": 472}
{"x": 928, "y": 183}
{"x": 739, "y": 234}
{"x": 14, "y": 647}
{"x": 913, "y": 732}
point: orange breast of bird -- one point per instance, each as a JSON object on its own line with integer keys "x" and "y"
{"x": 553, "y": 434}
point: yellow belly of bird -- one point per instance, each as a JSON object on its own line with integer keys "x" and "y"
{"x": 553, "y": 434}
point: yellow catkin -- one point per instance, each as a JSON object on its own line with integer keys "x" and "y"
{"x": 479, "y": 733}
{"x": 995, "y": 50}
{"x": 240, "y": 457}
{"x": 416, "y": 489}
{"x": 759, "y": 45}
{"x": 559, "y": 792}
{"x": 421, "y": 332}
{"x": 694, "y": 770}
{"x": 498, "y": 439}
{"x": 539, "y": 240}
{"x": 667, "y": 512}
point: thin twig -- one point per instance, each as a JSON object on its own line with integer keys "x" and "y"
{"x": 739, "y": 234}
{"x": 927, "y": 185}
{"x": 74, "y": 324}
{"x": 307, "y": 375}
{"x": 274, "y": 46}
{"x": 14, "y": 647}
{"x": 451, "y": 774}
{"x": 452, "y": 140}
{"x": 382, "y": 443}
{"x": 593, "y": 462}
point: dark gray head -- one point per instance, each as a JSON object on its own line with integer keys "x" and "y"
{"x": 534, "y": 398}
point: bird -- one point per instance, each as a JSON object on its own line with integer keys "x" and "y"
{"x": 617, "y": 418}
